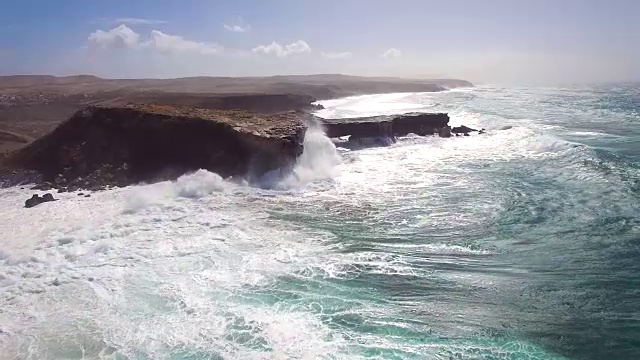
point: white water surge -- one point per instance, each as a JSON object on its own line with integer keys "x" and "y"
{"x": 203, "y": 268}
{"x": 148, "y": 270}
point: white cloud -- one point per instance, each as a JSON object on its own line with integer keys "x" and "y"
{"x": 123, "y": 37}
{"x": 237, "y": 25}
{"x": 274, "y": 48}
{"x": 237, "y": 28}
{"x": 138, "y": 21}
{"x": 339, "y": 55}
{"x": 174, "y": 43}
{"x": 392, "y": 53}
{"x": 118, "y": 37}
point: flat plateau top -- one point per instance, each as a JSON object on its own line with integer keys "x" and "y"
{"x": 244, "y": 121}
{"x": 381, "y": 118}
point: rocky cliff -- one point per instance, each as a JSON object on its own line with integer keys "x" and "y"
{"x": 387, "y": 126}
{"x": 33, "y": 105}
{"x": 117, "y": 146}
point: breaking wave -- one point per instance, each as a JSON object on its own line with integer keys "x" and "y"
{"x": 319, "y": 162}
{"x": 519, "y": 243}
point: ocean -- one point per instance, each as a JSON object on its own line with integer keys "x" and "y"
{"x": 520, "y": 243}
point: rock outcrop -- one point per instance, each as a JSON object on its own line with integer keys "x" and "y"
{"x": 117, "y": 146}
{"x": 37, "y": 200}
{"x": 445, "y": 132}
{"x": 387, "y": 126}
{"x": 419, "y": 123}
{"x": 358, "y": 128}
{"x": 462, "y": 130}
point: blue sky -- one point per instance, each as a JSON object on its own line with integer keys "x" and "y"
{"x": 494, "y": 41}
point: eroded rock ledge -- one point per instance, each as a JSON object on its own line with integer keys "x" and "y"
{"x": 387, "y": 126}
{"x": 117, "y": 146}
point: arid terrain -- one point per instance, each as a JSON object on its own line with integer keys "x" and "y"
{"x": 32, "y": 105}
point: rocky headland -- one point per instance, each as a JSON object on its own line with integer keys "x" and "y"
{"x": 92, "y": 133}
{"x": 99, "y": 146}
{"x": 33, "y": 105}
{"x": 389, "y": 126}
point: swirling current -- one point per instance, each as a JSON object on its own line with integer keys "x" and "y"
{"x": 520, "y": 243}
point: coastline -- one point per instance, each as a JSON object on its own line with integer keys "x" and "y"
{"x": 33, "y": 107}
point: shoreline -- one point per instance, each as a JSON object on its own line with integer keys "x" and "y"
{"x": 39, "y": 116}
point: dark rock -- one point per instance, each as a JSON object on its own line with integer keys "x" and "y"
{"x": 96, "y": 187}
{"x": 386, "y": 126}
{"x": 466, "y": 134}
{"x": 80, "y": 194}
{"x": 17, "y": 177}
{"x": 43, "y": 186}
{"x": 357, "y": 143}
{"x": 88, "y": 195}
{"x": 60, "y": 179}
{"x": 36, "y": 200}
{"x": 123, "y": 145}
{"x": 62, "y": 190}
{"x": 418, "y": 123}
{"x": 462, "y": 130}
{"x": 33, "y": 201}
{"x": 444, "y": 132}
{"x": 360, "y": 129}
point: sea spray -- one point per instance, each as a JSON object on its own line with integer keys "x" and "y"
{"x": 319, "y": 161}
{"x": 194, "y": 185}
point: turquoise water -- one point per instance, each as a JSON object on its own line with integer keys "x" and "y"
{"x": 522, "y": 243}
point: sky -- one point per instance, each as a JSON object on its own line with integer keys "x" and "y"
{"x": 536, "y": 42}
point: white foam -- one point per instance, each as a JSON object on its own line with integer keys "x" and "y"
{"x": 144, "y": 276}
{"x": 371, "y": 105}
{"x": 199, "y": 184}
{"x": 438, "y": 249}
{"x": 195, "y": 266}
{"x": 195, "y": 185}
{"x": 593, "y": 134}
{"x": 319, "y": 161}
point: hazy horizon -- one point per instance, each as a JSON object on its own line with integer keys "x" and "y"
{"x": 496, "y": 41}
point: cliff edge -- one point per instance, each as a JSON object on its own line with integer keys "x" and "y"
{"x": 102, "y": 146}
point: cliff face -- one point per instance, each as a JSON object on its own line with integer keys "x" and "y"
{"x": 117, "y": 146}
{"x": 419, "y": 123}
{"x": 387, "y": 126}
